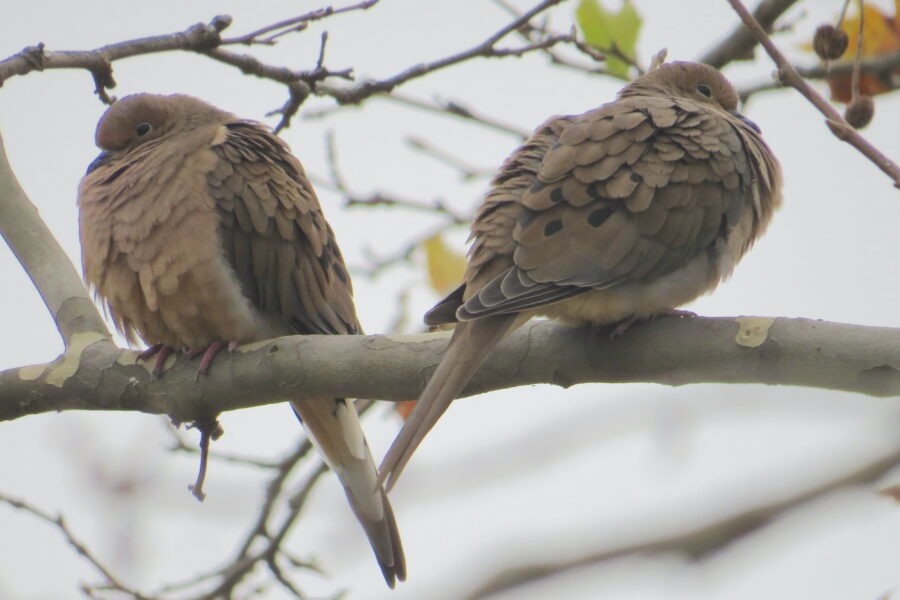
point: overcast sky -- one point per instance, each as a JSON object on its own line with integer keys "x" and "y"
{"x": 513, "y": 477}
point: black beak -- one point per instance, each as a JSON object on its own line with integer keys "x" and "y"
{"x": 749, "y": 123}
{"x": 101, "y": 159}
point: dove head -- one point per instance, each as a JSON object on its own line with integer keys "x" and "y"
{"x": 700, "y": 83}
{"x": 134, "y": 120}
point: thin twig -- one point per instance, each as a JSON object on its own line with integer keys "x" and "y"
{"x": 466, "y": 171}
{"x": 836, "y": 123}
{"x": 339, "y": 184}
{"x": 531, "y": 32}
{"x": 457, "y": 109}
{"x": 854, "y": 80}
{"x": 181, "y": 445}
{"x": 112, "y": 582}
{"x": 380, "y": 263}
{"x": 699, "y": 542}
{"x": 878, "y": 66}
{"x": 294, "y": 24}
{"x": 486, "y": 49}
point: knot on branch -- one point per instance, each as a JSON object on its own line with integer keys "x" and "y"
{"x": 220, "y": 22}
{"x": 206, "y": 36}
{"x": 34, "y": 56}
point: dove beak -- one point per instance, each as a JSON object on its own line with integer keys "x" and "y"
{"x": 747, "y": 121}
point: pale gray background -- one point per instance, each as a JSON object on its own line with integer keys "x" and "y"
{"x": 514, "y": 476}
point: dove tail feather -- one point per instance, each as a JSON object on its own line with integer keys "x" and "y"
{"x": 333, "y": 425}
{"x": 469, "y": 346}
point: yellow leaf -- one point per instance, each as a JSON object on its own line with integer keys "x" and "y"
{"x": 445, "y": 267}
{"x": 879, "y": 35}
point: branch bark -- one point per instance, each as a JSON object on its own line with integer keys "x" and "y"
{"x": 96, "y": 375}
{"x": 44, "y": 260}
{"x": 740, "y": 43}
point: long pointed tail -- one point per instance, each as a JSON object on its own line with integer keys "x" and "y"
{"x": 469, "y": 346}
{"x": 333, "y": 425}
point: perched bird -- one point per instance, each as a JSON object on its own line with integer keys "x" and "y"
{"x": 616, "y": 215}
{"x": 200, "y": 229}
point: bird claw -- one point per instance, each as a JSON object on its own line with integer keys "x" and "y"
{"x": 209, "y": 353}
{"x": 622, "y": 326}
{"x": 161, "y": 352}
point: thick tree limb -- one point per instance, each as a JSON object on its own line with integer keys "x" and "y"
{"x": 44, "y": 260}
{"x": 96, "y": 375}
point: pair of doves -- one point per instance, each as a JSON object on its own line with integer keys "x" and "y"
{"x": 200, "y": 230}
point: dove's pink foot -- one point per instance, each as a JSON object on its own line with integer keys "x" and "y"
{"x": 209, "y": 353}
{"x": 161, "y": 352}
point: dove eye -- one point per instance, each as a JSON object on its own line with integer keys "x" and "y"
{"x": 705, "y": 90}
{"x": 143, "y": 129}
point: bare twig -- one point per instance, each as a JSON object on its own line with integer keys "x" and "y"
{"x": 839, "y": 127}
{"x": 339, "y": 184}
{"x": 457, "y": 109}
{"x": 466, "y": 171}
{"x": 180, "y": 444}
{"x": 445, "y": 107}
{"x": 294, "y": 24}
{"x": 740, "y": 43}
{"x": 532, "y": 32}
{"x": 112, "y": 582}
{"x": 702, "y": 541}
{"x": 843, "y": 13}
{"x": 854, "y": 80}
{"x": 878, "y": 66}
{"x": 486, "y": 49}
{"x": 35, "y": 58}
{"x": 379, "y": 263}
{"x": 206, "y": 39}
{"x": 245, "y": 558}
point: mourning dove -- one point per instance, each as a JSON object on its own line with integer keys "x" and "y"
{"x": 616, "y": 215}
{"x": 199, "y": 229}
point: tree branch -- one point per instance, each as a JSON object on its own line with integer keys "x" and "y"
{"x": 740, "y": 43}
{"x": 486, "y": 49}
{"x": 710, "y": 536}
{"x": 276, "y": 30}
{"x": 99, "y": 61}
{"x": 44, "y": 260}
{"x": 878, "y": 66}
{"x": 671, "y": 351}
{"x": 206, "y": 40}
{"x": 112, "y": 582}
